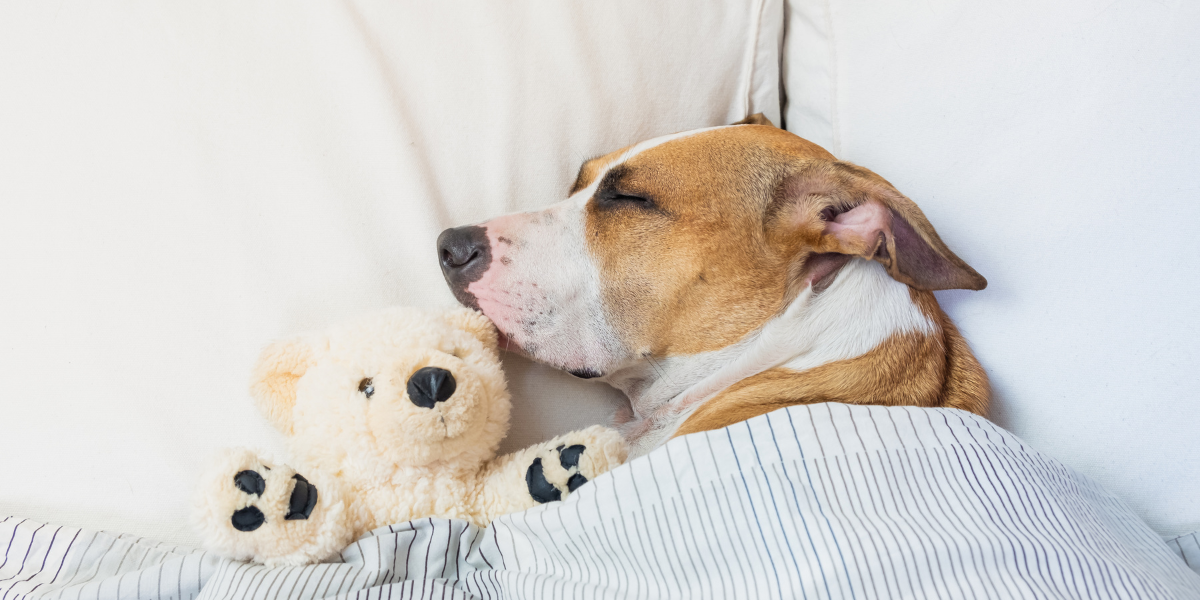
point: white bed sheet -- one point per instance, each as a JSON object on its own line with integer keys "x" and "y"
{"x": 182, "y": 182}
{"x": 820, "y": 501}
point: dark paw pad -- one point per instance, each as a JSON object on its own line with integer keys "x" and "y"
{"x": 569, "y": 457}
{"x": 575, "y": 481}
{"x": 541, "y": 490}
{"x": 300, "y": 504}
{"x": 303, "y": 500}
{"x": 248, "y": 519}
{"x": 250, "y": 482}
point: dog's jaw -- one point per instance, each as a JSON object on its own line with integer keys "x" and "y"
{"x": 860, "y": 309}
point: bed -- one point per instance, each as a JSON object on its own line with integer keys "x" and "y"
{"x": 821, "y": 501}
{"x": 180, "y": 184}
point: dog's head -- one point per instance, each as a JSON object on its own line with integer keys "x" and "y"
{"x": 684, "y": 244}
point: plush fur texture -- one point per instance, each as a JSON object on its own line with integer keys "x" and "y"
{"x": 373, "y": 454}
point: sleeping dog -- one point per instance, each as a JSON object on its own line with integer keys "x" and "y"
{"x": 718, "y": 274}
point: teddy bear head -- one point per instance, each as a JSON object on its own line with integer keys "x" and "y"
{"x": 400, "y": 388}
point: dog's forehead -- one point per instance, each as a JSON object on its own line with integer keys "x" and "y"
{"x": 592, "y": 169}
{"x": 709, "y": 157}
{"x": 729, "y": 148}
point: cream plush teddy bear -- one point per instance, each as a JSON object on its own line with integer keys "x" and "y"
{"x": 391, "y": 418}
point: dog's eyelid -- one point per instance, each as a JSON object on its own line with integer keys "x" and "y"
{"x": 610, "y": 189}
{"x": 619, "y": 196}
{"x": 614, "y": 199}
{"x": 612, "y": 179}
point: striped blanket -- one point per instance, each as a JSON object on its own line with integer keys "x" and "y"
{"x": 819, "y": 501}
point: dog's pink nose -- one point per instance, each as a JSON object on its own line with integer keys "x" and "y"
{"x": 464, "y": 253}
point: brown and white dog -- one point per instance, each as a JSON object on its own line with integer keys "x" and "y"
{"x": 718, "y": 274}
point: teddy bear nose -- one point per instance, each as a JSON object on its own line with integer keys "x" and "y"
{"x": 430, "y": 385}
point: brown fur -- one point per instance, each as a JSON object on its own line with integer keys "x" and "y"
{"x": 726, "y": 227}
{"x": 965, "y": 383}
{"x": 905, "y": 370}
{"x": 700, "y": 270}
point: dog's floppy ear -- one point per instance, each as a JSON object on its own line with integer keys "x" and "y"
{"x": 755, "y": 119}
{"x": 472, "y": 322}
{"x": 273, "y": 382}
{"x": 841, "y": 210}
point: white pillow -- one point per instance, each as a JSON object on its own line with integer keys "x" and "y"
{"x": 1055, "y": 146}
{"x": 182, "y": 182}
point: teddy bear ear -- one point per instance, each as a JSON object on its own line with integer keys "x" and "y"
{"x": 273, "y": 382}
{"x": 474, "y": 323}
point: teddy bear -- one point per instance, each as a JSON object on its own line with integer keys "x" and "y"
{"x": 393, "y": 417}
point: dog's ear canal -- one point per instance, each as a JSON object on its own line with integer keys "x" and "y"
{"x": 273, "y": 382}
{"x": 839, "y": 210}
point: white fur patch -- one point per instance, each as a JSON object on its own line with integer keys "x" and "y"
{"x": 860, "y": 309}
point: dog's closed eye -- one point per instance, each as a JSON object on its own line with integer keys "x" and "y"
{"x": 613, "y": 196}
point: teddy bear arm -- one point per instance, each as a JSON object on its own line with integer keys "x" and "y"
{"x": 548, "y": 471}
{"x": 502, "y": 487}
{"x": 251, "y": 508}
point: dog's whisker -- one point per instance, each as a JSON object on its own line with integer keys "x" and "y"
{"x": 662, "y": 373}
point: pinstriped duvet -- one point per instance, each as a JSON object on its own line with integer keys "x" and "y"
{"x": 818, "y": 501}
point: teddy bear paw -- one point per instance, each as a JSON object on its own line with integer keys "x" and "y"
{"x": 579, "y": 457}
{"x": 300, "y": 504}
{"x": 253, "y": 509}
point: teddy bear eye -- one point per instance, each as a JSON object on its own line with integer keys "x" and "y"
{"x": 367, "y": 387}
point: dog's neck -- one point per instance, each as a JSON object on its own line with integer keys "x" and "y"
{"x": 861, "y": 309}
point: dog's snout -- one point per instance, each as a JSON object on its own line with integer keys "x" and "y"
{"x": 464, "y": 253}
{"x": 430, "y": 385}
